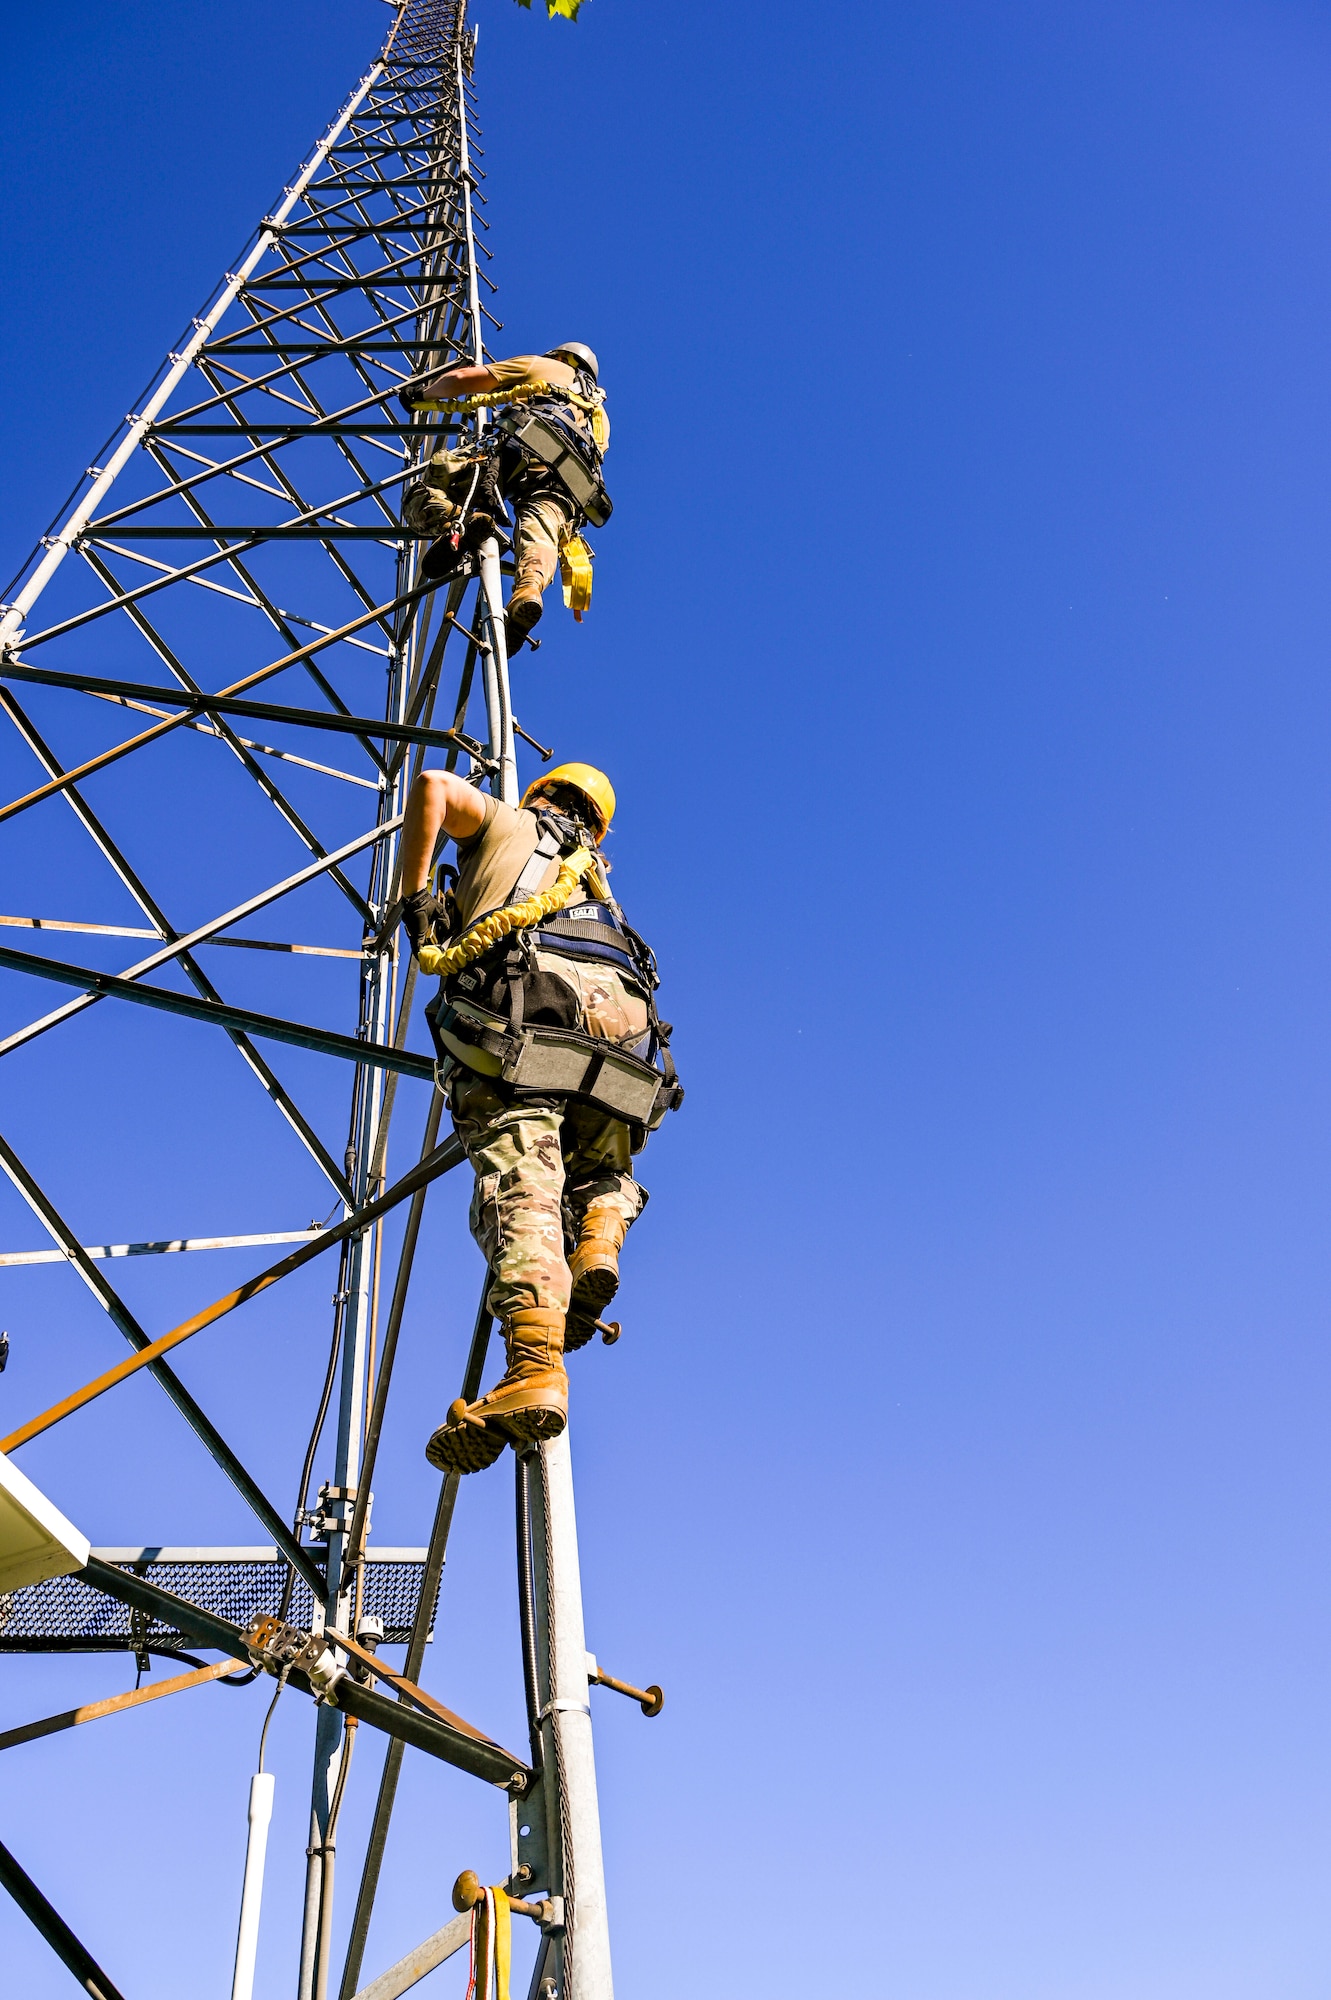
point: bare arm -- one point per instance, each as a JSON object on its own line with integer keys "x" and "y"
{"x": 438, "y": 802}
{"x": 462, "y": 380}
{"x": 466, "y": 378}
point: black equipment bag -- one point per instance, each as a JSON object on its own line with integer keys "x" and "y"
{"x": 539, "y": 1061}
{"x": 574, "y": 466}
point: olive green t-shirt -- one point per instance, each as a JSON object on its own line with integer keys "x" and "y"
{"x": 491, "y": 861}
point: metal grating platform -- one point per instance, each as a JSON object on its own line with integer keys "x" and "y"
{"x": 66, "y": 1615}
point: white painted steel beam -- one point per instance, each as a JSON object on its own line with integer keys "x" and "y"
{"x": 36, "y": 1541}
{"x": 100, "y": 1252}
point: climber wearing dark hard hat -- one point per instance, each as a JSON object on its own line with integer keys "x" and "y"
{"x": 543, "y": 457}
{"x": 555, "y": 1064}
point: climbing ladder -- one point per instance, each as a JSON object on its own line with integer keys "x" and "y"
{"x": 228, "y": 602}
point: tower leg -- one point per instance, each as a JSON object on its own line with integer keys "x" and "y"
{"x": 328, "y": 1753}
{"x": 498, "y": 699}
{"x": 580, "y": 1962}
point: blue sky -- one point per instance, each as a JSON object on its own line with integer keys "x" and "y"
{"x": 959, "y": 652}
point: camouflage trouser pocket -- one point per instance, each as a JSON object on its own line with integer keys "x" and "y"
{"x": 426, "y": 510}
{"x": 486, "y": 1220}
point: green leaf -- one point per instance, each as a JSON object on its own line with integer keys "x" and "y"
{"x": 568, "y": 8}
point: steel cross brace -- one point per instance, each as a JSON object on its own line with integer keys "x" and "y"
{"x": 268, "y": 1027}
{"x": 44, "y": 1918}
{"x": 474, "y": 1754}
{"x": 260, "y": 711}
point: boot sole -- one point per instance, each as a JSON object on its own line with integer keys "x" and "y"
{"x": 592, "y": 1293}
{"x": 518, "y": 622}
{"x": 578, "y": 1332}
{"x": 441, "y": 560}
{"x": 464, "y": 1448}
{"x": 532, "y": 1426}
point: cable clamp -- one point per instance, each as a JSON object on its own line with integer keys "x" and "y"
{"x": 562, "y": 1708}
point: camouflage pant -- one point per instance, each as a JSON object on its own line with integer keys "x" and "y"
{"x": 542, "y": 522}
{"x": 538, "y": 1170}
{"x": 435, "y": 501}
{"x": 543, "y": 516}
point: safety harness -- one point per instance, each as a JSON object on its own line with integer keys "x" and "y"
{"x": 591, "y": 401}
{"x": 547, "y": 436}
{"x": 493, "y": 960}
{"x": 539, "y": 417}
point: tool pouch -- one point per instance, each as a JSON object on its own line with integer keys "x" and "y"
{"x": 560, "y": 1062}
{"x": 560, "y": 1059}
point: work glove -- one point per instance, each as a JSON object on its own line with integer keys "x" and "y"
{"x": 418, "y": 917}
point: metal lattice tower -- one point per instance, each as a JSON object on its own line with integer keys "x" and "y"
{"x": 238, "y": 557}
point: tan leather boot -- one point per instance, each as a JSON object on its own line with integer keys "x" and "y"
{"x": 595, "y": 1268}
{"x": 535, "y": 573}
{"x": 524, "y": 611}
{"x": 529, "y": 1401}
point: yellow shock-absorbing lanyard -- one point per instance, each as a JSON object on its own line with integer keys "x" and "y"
{"x": 491, "y": 1947}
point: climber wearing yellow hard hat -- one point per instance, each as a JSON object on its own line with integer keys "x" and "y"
{"x": 555, "y": 1063}
{"x": 542, "y": 456}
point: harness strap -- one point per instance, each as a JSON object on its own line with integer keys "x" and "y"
{"x": 525, "y": 910}
{"x": 547, "y": 847}
{"x": 515, "y": 966}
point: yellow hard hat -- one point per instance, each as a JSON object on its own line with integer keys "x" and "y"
{"x": 584, "y": 778}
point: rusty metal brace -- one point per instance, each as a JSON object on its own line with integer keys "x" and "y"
{"x": 405, "y": 1687}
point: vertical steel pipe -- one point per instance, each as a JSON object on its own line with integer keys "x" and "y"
{"x": 498, "y": 704}
{"x": 573, "y": 1815}
{"x": 328, "y": 1751}
{"x": 420, "y": 1630}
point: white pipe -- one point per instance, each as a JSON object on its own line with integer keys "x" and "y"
{"x": 61, "y": 543}
{"x": 251, "y": 1897}
{"x": 498, "y": 702}
{"x": 587, "y": 1973}
{"x": 498, "y": 705}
